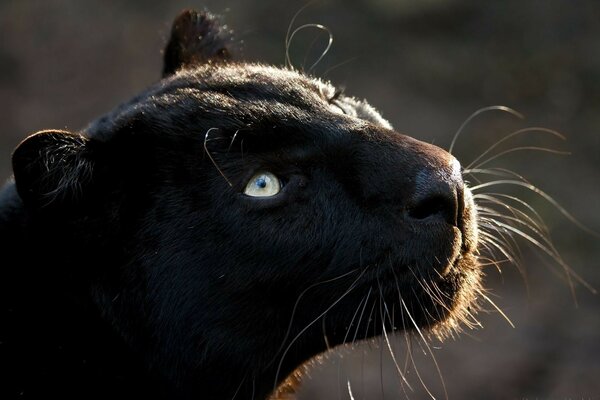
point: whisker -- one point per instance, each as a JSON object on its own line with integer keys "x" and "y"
{"x": 370, "y": 320}
{"x": 492, "y": 262}
{"x": 308, "y": 50}
{"x": 493, "y": 241}
{"x": 437, "y": 367}
{"x": 496, "y": 171}
{"x": 293, "y": 314}
{"x": 407, "y": 338}
{"x": 489, "y": 219}
{"x": 361, "y": 315}
{"x": 552, "y": 252}
{"x": 233, "y": 140}
{"x": 544, "y": 195}
{"x": 352, "y": 286}
{"x": 364, "y": 299}
{"x": 479, "y": 112}
{"x": 211, "y": 157}
{"x": 434, "y": 296}
{"x": 535, "y": 220}
{"x": 493, "y": 217}
{"x": 328, "y": 70}
{"x": 350, "y": 391}
{"x": 288, "y": 62}
{"x": 324, "y": 330}
{"x": 239, "y": 387}
{"x": 513, "y": 134}
{"x": 387, "y": 339}
{"x": 534, "y": 214}
{"x": 521, "y": 148}
{"x": 480, "y": 292}
{"x": 323, "y": 54}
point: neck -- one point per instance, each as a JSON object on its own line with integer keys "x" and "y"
{"x": 53, "y": 340}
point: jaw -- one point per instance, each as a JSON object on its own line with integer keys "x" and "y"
{"x": 438, "y": 308}
{"x": 461, "y": 288}
{"x": 437, "y": 304}
{"x": 440, "y": 305}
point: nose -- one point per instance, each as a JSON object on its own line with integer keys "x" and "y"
{"x": 438, "y": 195}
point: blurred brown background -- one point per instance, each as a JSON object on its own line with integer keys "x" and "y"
{"x": 427, "y": 66}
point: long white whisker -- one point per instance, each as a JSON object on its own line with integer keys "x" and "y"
{"x": 521, "y": 148}
{"x": 325, "y": 51}
{"x": 497, "y": 217}
{"x": 534, "y": 219}
{"x": 551, "y": 251}
{"x": 544, "y": 195}
{"x": 492, "y": 240}
{"x": 478, "y": 112}
{"x": 352, "y": 286}
{"x": 361, "y": 316}
{"x": 437, "y": 367}
{"x": 496, "y": 171}
{"x": 288, "y": 62}
{"x": 387, "y": 339}
{"x": 480, "y": 292}
{"x": 364, "y": 299}
{"x": 489, "y": 220}
{"x": 211, "y": 157}
{"x": 293, "y": 314}
{"x": 513, "y": 134}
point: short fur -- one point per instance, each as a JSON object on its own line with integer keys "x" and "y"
{"x": 136, "y": 267}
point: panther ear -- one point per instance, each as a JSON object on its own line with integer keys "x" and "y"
{"x": 52, "y": 168}
{"x": 196, "y": 38}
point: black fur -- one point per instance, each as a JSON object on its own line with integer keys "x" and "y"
{"x": 138, "y": 268}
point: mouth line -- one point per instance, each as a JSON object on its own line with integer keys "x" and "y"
{"x": 389, "y": 266}
{"x": 383, "y": 274}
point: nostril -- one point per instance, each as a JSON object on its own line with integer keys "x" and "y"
{"x": 437, "y": 205}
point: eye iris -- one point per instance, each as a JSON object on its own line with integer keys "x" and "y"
{"x": 261, "y": 182}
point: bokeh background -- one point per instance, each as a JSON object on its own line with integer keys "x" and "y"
{"x": 427, "y": 65}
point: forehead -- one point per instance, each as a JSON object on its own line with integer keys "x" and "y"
{"x": 258, "y": 81}
{"x": 251, "y": 92}
{"x": 240, "y": 96}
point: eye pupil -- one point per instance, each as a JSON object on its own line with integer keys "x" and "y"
{"x": 261, "y": 182}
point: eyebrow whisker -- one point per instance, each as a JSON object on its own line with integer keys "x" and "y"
{"x": 211, "y": 157}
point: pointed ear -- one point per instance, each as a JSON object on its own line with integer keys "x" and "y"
{"x": 197, "y": 38}
{"x": 52, "y": 168}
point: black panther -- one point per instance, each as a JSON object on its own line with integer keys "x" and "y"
{"x": 208, "y": 237}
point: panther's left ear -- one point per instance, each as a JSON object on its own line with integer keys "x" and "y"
{"x": 52, "y": 168}
{"x": 197, "y": 38}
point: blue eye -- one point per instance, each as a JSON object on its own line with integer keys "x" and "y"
{"x": 263, "y": 184}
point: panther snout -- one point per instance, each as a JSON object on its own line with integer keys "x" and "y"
{"x": 439, "y": 194}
